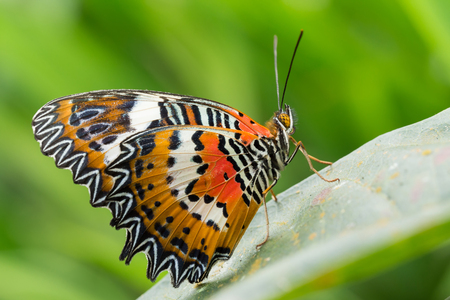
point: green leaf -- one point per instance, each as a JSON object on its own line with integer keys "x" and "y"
{"x": 392, "y": 203}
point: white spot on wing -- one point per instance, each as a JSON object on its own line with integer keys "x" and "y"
{"x": 144, "y": 112}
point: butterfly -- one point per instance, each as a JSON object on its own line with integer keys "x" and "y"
{"x": 183, "y": 175}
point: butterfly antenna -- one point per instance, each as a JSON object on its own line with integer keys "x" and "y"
{"x": 275, "y": 43}
{"x": 290, "y": 67}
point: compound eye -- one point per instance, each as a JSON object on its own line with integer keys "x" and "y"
{"x": 285, "y": 120}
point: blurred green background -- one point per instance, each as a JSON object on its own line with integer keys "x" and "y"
{"x": 363, "y": 68}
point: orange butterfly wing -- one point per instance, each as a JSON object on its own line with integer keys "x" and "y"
{"x": 176, "y": 186}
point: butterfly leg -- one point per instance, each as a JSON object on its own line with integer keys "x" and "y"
{"x": 266, "y": 213}
{"x": 299, "y": 146}
{"x": 274, "y": 196}
{"x": 320, "y": 161}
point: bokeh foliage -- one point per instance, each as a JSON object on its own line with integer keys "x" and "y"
{"x": 363, "y": 68}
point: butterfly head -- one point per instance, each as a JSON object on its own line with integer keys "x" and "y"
{"x": 284, "y": 121}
